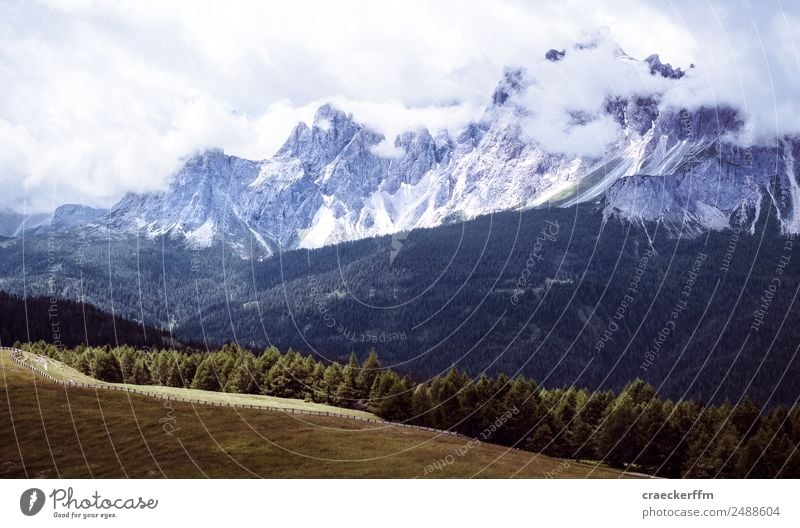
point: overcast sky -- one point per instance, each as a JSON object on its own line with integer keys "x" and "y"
{"x": 99, "y": 98}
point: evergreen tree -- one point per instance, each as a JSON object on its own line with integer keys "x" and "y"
{"x": 317, "y": 386}
{"x": 347, "y": 393}
{"x": 724, "y": 456}
{"x": 241, "y": 379}
{"x": 278, "y": 381}
{"x": 105, "y": 367}
{"x": 188, "y": 369}
{"x": 421, "y": 405}
{"x": 541, "y": 438}
{"x": 369, "y": 371}
{"x": 127, "y": 359}
{"x": 448, "y": 398}
{"x": 745, "y": 417}
{"x": 264, "y": 362}
{"x": 174, "y": 377}
{"x": 381, "y": 390}
{"x": 616, "y": 441}
{"x": 331, "y": 381}
{"x": 395, "y": 404}
{"x": 141, "y": 372}
{"x": 84, "y": 363}
{"x": 521, "y": 401}
{"x": 206, "y": 377}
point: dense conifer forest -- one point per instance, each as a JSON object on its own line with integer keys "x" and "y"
{"x": 544, "y": 293}
{"x": 68, "y": 323}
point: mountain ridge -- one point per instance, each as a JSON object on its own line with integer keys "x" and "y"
{"x": 338, "y": 179}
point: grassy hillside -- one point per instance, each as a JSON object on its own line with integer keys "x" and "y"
{"x": 64, "y": 372}
{"x": 53, "y": 431}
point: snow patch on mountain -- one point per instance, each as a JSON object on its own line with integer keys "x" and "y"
{"x": 201, "y": 237}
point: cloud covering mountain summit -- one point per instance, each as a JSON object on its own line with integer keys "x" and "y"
{"x": 623, "y": 149}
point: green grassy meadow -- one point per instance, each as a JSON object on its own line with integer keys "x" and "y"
{"x": 50, "y": 430}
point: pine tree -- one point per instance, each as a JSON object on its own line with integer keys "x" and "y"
{"x": 541, "y": 438}
{"x": 699, "y": 441}
{"x": 616, "y": 441}
{"x": 84, "y": 363}
{"x": 745, "y": 417}
{"x": 206, "y": 377}
{"x": 331, "y": 381}
{"x": 381, "y": 390}
{"x": 521, "y": 401}
{"x": 127, "y": 359}
{"x": 725, "y": 454}
{"x": 188, "y": 369}
{"x": 241, "y": 379}
{"x": 640, "y": 392}
{"x": 395, "y": 404}
{"x": 369, "y": 371}
{"x": 277, "y": 381}
{"x": 317, "y": 386}
{"x": 161, "y": 368}
{"x": 347, "y": 392}
{"x": 421, "y": 406}
{"x": 751, "y": 462}
{"x": 448, "y": 398}
{"x": 105, "y": 367}
{"x": 581, "y": 440}
{"x": 174, "y": 376}
{"x": 141, "y": 373}
{"x": 264, "y": 362}
{"x": 225, "y": 364}
{"x": 648, "y": 427}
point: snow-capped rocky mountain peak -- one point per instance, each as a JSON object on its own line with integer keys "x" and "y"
{"x": 665, "y": 70}
{"x": 514, "y": 81}
{"x": 337, "y": 179}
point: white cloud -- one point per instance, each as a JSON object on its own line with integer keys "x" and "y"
{"x": 394, "y": 117}
{"x": 748, "y": 58}
{"x": 566, "y": 99}
{"x": 99, "y": 98}
{"x": 387, "y": 149}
